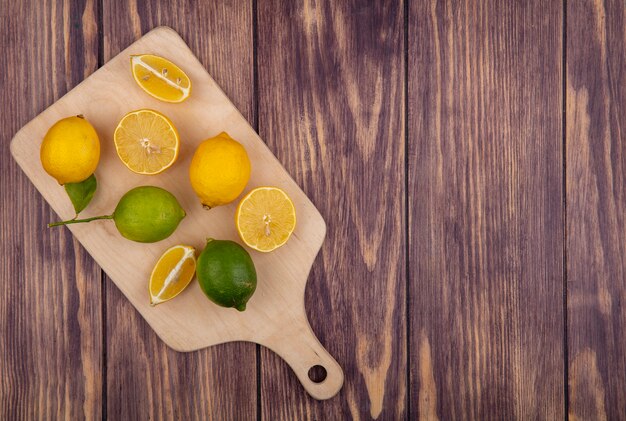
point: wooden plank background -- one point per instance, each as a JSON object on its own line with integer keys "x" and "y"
{"x": 467, "y": 157}
{"x": 486, "y": 210}
{"x": 596, "y": 209}
{"x": 51, "y": 351}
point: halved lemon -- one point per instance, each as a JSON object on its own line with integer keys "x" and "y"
{"x": 160, "y": 78}
{"x": 146, "y": 141}
{"x": 265, "y": 218}
{"x": 172, "y": 273}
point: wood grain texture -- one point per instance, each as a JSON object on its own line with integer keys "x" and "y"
{"x": 330, "y": 80}
{"x": 484, "y": 153}
{"x": 596, "y": 209}
{"x": 219, "y": 382}
{"x": 485, "y": 210}
{"x": 50, "y": 308}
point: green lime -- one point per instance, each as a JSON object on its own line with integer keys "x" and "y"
{"x": 146, "y": 214}
{"x": 226, "y": 273}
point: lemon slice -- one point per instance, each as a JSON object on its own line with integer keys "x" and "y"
{"x": 265, "y": 218}
{"x": 172, "y": 273}
{"x": 146, "y": 141}
{"x": 160, "y": 78}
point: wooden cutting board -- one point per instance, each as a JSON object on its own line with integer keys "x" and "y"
{"x": 275, "y": 316}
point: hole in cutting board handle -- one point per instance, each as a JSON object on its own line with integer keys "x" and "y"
{"x": 317, "y": 374}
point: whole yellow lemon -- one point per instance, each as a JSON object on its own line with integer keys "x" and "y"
{"x": 219, "y": 170}
{"x": 70, "y": 151}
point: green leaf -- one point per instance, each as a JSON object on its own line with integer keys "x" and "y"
{"x": 81, "y": 193}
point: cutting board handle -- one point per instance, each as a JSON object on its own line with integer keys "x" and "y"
{"x": 299, "y": 347}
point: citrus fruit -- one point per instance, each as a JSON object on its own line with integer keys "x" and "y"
{"x": 70, "y": 150}
{"x": 172, "y": 273}
{"x": 145, "y": 214}
{"x": 265, "y": 218}
{"x": 146, "y": 141}
{"x": 160, "y": 78}
{"x": 219, "y": 170}
{"x": 226, "y": 273}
